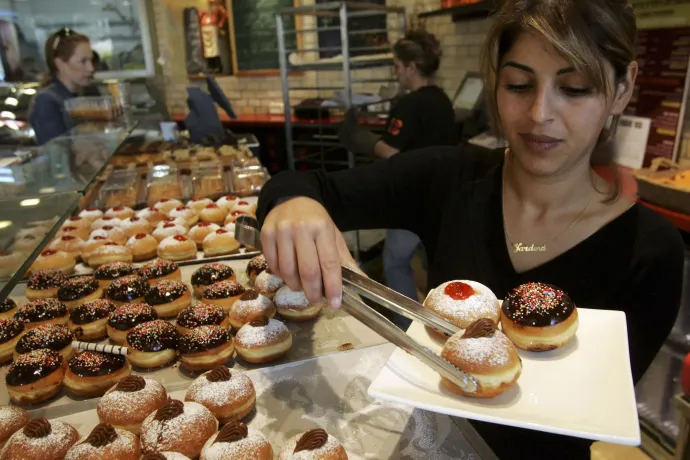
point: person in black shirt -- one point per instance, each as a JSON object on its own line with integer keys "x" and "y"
{"x": 555, "y": 72}
{"x": 422, "y": 118}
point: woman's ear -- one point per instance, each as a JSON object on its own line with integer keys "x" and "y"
{"x": 624, "y": 89}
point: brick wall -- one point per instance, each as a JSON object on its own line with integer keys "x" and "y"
{"x": 460, "y": 42}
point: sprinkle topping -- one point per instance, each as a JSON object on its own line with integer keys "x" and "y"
{"x": 7, "y": 304}
{"x": 10, "y": 329}
{"x": 96, "y": 364}
{"x": 201, "y": 315}
{"x": 538, "y": 304}
{"x": 157, "y": 269}
{"x": 33, "y": 366}
{"x": 53, "y": 336}
{"x": 153, "y": 336}
{"x": 46, "y": 279}
{"x": 41, "y": 310}
{"x": 223, "y": 290}
{"x": 203, "y": 338}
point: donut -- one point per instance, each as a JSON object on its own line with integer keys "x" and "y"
{"x": 255, "y": 266}
{"x": 152, "y": 344}
{"x": 220, "y": 243}
{"x": 539, "y": 317}
{"x": 293, "y": 305}
{"x": 13, "y": 419}
{"x": 10, "y": 262}
{"x": 91, "y": 215}
{"x": 41, "y": 439}
{"x": 77, "y": 221}
{"x": 10, "y": 332}
{"x": 228, "y": 395}
{"x": 227, "y": 202}
{"x": 108, "y": 253}
{"x": 105, "y": 443}
{"x": 263, "y": 340}
{"x": 267, "y": 283}
{"x": 169, "y": 298}
{"x": 43, "y": 284}
{"x": 89, "y": 320}
{"x": 52, "y": 259}
{"x": 127, "y": 404}
{"x": 79, "y": 232}
{"x": 463, "y": 302}
{"x": 197, "y": 204}
{"x": 172, "y": 220}
{"x": 230, "y": 226}
{"x": 8, "y": 308}
{"x": 105, "y": 221}
{"x": 152, "y": 216}
{"x": 128, "y": 289}
{"x": 487, "y": 355}
{"x": 201, "y": 315}
{"x": 143, "y": 246}
{"x": 167, "y": 204}
{"x": 176, "y": 248}
{"x": 164, "y": 456}
{"x": 55, "y": 337}
{"x": 133, "y": 225}
{"x": 79, "y": 290}
{"x": 237, "y": 442}
{"x": 168, "y": 230}
{"x": 126, "y": 317}
{"x": 212, "y": 213}
{"x": 42, "y": 311}
{"x": 205, "y": 347}
{"x": 121, "y": 212}
{"x": 189, "y": 215}
{"x": 107, "y": 273}
{"x": 232, "y": 216}
{"x": 91, "y": 245}
{"x": 200, "y": 231}
{"x": 208, "y": 274}
{"x": 158, "y": 270}
{"x": 245, "y": 207}
{"x": 114, "y": 234}
{"x": 315, "y": 444}
{"x": 27, "y": 243}
{"x": 223, "y": 294}
{"x": 71, "y": 244}
{"x": 250, "y": 306}
{"x": 35, "y": 377}
{"x": 178, "y": 426}
{"x": 90, "y": 373}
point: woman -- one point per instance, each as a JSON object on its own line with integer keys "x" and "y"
{"x": 556, "y": 72}
{"x": 424, "y": 117}
{"x": 69, "y": 59}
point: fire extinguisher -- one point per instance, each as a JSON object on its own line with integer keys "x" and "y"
{"x": 685, "y": 375}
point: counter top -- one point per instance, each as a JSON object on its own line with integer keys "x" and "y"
{"x": 269, "y": 120}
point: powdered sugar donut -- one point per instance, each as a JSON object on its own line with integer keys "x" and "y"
{"x": 190, "y": 216}
{"x": 250, "y": 306}
{"x": 167, "y": 230}
{"x": 237, "y": 442}
{"x": 463, "y": 302}
{"x": 293, "y": 305}
{"x": 41, "y": 440}
{"x": 13, "y": 419}
{"x": 127, "y": 404}
{"x": 244, "y": 206}
{"x": 268, "y": 283}
{"x": 173, "y": 220}
{"x": 133, "y": 225}
{"x": 227, "y": 202}
{"x": 167, "y": 204}
{"x": 315, "y": 444}
{"x": 177, "y": 247}
{"x": 121, "y": 212}
{"x": 152, "y": 215}
{"x": 105, "y": 221}
{"x": 197, "y": 204}
{"x": 105, "y": 442}
{"x": 229, "y": 395}
{"x": 111, "y": 232}
{"x": 91, "y": 214}
{"x": 108, "y": 253}
{"x": 205, "y": 347}
{"x": 263, "y": 340}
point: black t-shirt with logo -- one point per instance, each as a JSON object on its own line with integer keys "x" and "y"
{"x": 422, "y": 118}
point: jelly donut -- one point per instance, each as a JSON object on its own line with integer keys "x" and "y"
{"x": 42, "y": 311}
{"x": 177, "y": 248}
{"x": 35, "y": 377}
{"x": 539, "y": 317}
{"x": 10, "y": 332}
{"x": 126, "y": 317}
{"x": 237, "y": 442}
{"x": 212, "y": 213}
{"x": 128, "y": 289}
{"x": 232, "y": 216}
{"x": 267, "y": 283}
{"x": 255, "y": 266}
{"x": 463, "y": 302}
{"x": 77, "y": 221}
{"x": 105, "y": 443}
{"x": 41, "y": 439}
{"x": 244, "y": 206}
{"x": 143, "y": 246}
{"x": 190, "y": 216}
{"x": 158, "y": 270}
{"x": 13, "y": 419}
{"x": 223, "y": 294}
{"x": 201, "y": 315}
{"x": 209, "y": 274}
{"x": 8, "y": 308}
{"x": 52, "y": 336}
{"x": 168, "y": 230}
{"x": 229, "y": 395}
{"x": 79, "y": 290}
{"x": 52, "y": 259}
{"x": 197, "y": 204}
{"x": 105, "y": 221}
{"x": 107, "y": 273}
{"x": 294, "y": 306}
{"x": 114, "y": 234}
{"x": 167, "y": 204}
{"x": 127, "y": 404}
{"x": 152, "y": 344}
{"x": 121, "y": 212}
{"x": 205, "y": 347}
{"x": 220, "y": 243}
{"x": 487, "y": 355}
{"x": 227, "y": 202}
{"x": 81, "y": 232}
{"x": 90, "y": 373}
{"x": 44, "y": 284}
{"x": 201, "y": 231}
{"x": 91, "y": 214}
{"x": 89, "y": 320}
{"x": 250, "y": 306}
{"x": 178, "y": 427}
{"x": 263, "y": 340}
{"x": 315, "y": 444}
{"x": 109, "y": 252}
{"x": 135, "y": 225}
{"x": 91, "y": 245}
{"x": 169, "y": 298}
{"x": 172, "y": 221}
{"x": 152, "y": 215}
{"x": 71, "y": 244}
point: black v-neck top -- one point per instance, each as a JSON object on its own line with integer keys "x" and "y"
{"x": 451, "y": 198}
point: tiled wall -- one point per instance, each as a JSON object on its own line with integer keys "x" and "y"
{"x": 252, "y": 94}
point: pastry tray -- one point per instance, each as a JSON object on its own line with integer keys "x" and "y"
{"x": 332, "y": 331}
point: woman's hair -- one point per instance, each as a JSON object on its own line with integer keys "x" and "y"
{"x": 587, "y": 33}
{"x": 422, "y": 48}
{"x": 60, "y": 45}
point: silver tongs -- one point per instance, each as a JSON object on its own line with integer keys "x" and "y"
{"x": 356, "y": 285}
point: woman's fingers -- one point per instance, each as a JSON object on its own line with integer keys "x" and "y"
{"x": 287, "y": 262}
{"x": 269, "y": 247}
{"x": 330, "y": 263}
{"x": 308, "y": 265}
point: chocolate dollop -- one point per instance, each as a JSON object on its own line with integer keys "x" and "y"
{"x": 250, "y": 295}
{"x": 219, "y": 374}
{"x": 232, "y": 432}
{"x": 37, "y": 428}
{"x": 260, "y": 322}
{"x": 483, "y": 327}
{"x": 131, "y": 384}
{"x": 312, "y": 440}
{"x": 171, "y": 410}
{"x": 102, "y": 435}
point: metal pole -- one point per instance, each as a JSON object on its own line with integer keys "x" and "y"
{"x": 282, "y": 57}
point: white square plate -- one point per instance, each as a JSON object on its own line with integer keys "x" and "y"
{"x": 584, "y": 389}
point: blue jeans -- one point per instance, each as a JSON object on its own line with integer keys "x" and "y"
{"x": 398, "y": 252}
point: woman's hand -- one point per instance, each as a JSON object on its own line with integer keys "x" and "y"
{"x": 303, "y": 246}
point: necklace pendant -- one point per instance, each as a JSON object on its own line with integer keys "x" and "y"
{"x": 521, "y": 247}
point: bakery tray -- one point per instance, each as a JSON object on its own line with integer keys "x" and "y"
{"x": 330, "y": 392}
{"x": 333, "y": 331}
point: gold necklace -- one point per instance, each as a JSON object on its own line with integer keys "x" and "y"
{"x": 522, "y": 247}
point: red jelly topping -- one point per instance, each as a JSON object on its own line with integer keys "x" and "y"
{"x": 140, "y": 236}
{"x": 75, "y": 218}
{"x": 118, "y": 208}
{"x": 134, "y": 219}
{"x": 220, "y": 231}
{"x": 230, "y": 197}
{"x": 99, "y": 238}
{"x": 203, "y": 224}
{"x": 243, "y": 203}
{"x": 48, "y": 252}
{"x": 67, "y": 238}
{"x": 459, "y": 291}
{"x": 168, "y": 225}
{"x": 108, "y": 218}
{"x": 107, "y": 228}
{"x": 211, "y": 206}
{"x": 180, "y": 238}
{"x": 181, "y": 208}
{"x": 69, "y": 229}
{"x": 164, "y": 200}
{"x": 92, "y": 209}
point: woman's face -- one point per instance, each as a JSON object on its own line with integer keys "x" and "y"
{"x": 78, "y": 69}
{"x": 552, "y": 115}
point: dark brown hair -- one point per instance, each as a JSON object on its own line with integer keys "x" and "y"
{"x": 422, "y": 48}
{"x": 60, "y": 45}
{"x": 587, "y": 33}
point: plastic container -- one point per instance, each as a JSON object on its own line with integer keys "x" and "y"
{"x": 208, "y": 180}
{"x": 101, "y": 108}
{"x": 163, "y": 181}
{"x": 248, "y": 180}
{"x": 120, "y": 189}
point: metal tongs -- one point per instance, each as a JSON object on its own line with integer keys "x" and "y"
{"x": 356, "y": 285}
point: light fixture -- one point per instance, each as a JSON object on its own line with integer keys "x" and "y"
{"x": 47, "y": 190}
{"x": 29, "y": 91}
{"x": 12, "y": 101}
{"x": 5, "y": 224}
{"x": 29, "y": 202}
{"x": 8, "y": 115}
